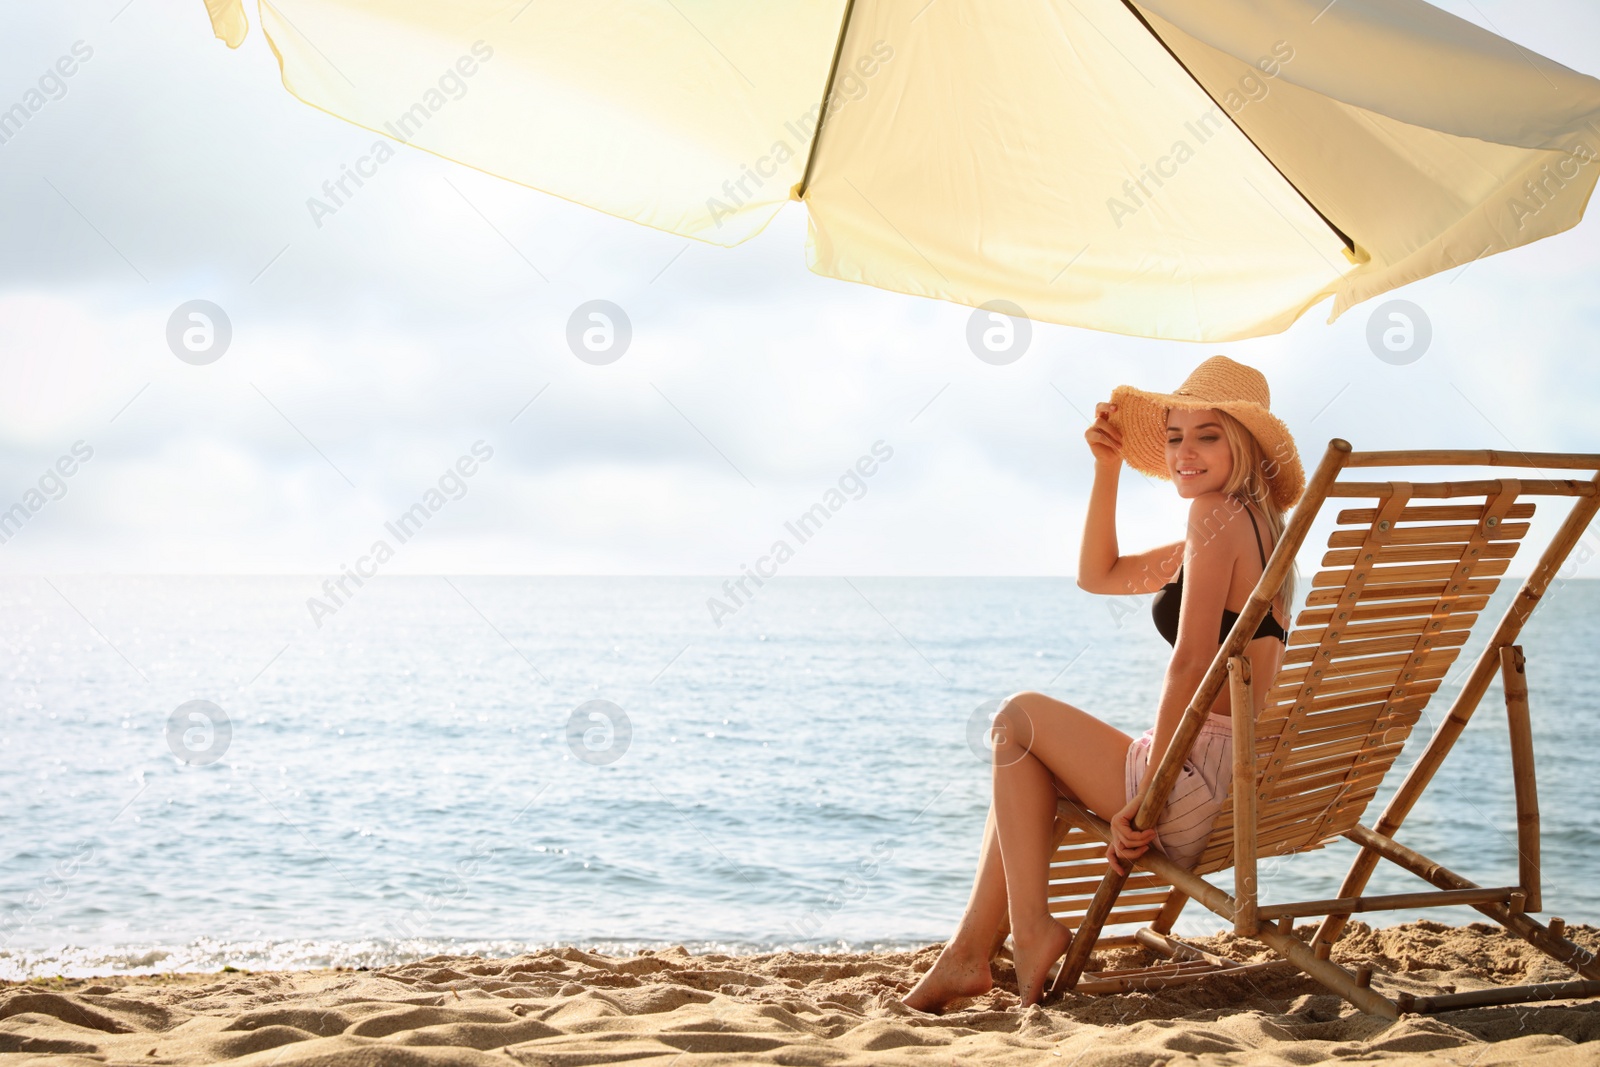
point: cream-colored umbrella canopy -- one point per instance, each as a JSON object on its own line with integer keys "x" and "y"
{"x": 1149, "y": 167}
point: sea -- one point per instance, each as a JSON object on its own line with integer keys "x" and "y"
{"x": 204, "y": 772}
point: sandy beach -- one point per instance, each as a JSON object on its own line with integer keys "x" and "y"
{"x": 570, "y": 1007}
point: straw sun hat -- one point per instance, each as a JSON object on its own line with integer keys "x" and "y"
{"x": 1221, "y": 383}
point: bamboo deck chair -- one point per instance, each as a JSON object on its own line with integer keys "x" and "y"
{"x": 1406, "y": 579}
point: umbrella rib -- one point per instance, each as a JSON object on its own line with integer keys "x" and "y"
{"x": 1349, "y": 244}
{"x": 827, "y": 91}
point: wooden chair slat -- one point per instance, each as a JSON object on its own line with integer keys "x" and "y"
{"x": 1430, "y": 535}
{"x": 1346, "y": 771}
{"x": 1090, "y": 850}
{"x": 1315, "y": 741}
{"x": 1375, "y": 655}
{"x": 1367, "y": 674}
{"x": 1366, "y": 713}
{"x": 1433, "y": 667}
{"x": 1370, "y": 747}
{"x": 1085, "y": 886}
{"x": 1118, "y": 918}
{"x": 1459, "y": 625}
{"x": 1135, "y": 899}
{"x": 1345, "y": 557}
{"x": 1411, "y": 572}
{"x": 1320, "y": 617}
{"x": 1289, "y": 836}
{"x": 1333, "y": 701}
{"x": 1308, "y": 753}
{"x": 1432, "y": 513}
{"x": 1409, "y": 591}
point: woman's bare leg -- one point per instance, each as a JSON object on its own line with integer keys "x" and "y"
{"x": 1038, "y": 741}
{"x": 962, "y": 969}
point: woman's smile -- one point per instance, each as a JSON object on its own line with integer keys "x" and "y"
{"x": 1198, "y": 455}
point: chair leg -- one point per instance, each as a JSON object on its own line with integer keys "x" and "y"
{"x": 1513, "y": 672}
{"x": 1280, "y": 938}
{"x": 1163, "y": 923}
{"x": 1244, "y": 797}
{"x": 1088, "y": 932}
{"x": 1545, "y": 939}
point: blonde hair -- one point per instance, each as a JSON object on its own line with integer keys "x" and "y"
{"x": 1248, "y": 482}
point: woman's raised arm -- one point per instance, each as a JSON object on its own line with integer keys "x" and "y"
{"x": 1100, "y": 568}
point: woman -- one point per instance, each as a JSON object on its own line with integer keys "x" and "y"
{"x": 1236, "y": 464}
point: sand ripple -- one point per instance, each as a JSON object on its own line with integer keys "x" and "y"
{"x": 569, "y": 1008}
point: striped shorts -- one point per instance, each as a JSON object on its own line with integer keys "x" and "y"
{"x": 1198, "y": 794}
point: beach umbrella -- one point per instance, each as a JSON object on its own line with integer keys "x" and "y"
{"x": 1156, "y": 168}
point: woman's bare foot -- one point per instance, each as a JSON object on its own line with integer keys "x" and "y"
{"x": 955, "y": 974}
{"x": 1035, "y": 948}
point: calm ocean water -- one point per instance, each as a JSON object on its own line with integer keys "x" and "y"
{"x": 426, "y": 772}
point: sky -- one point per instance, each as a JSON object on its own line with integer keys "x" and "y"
{"x": 423, "y": 325}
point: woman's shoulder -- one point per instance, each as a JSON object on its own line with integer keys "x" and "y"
{"x": 1220, "y": 518}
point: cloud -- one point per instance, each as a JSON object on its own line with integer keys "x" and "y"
{"x": 368, "y": 353}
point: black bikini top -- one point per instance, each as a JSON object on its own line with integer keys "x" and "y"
{"x": 1164, "y": 605}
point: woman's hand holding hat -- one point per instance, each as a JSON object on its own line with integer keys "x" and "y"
{"x": 1105, "y": 440}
